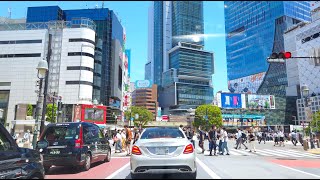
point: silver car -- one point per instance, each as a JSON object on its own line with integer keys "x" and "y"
{"x": 163, "y": 150}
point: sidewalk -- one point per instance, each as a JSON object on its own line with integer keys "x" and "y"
{"x": 314, "y": 151}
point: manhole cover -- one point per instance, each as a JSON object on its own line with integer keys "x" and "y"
{"x": 286, "y": 159}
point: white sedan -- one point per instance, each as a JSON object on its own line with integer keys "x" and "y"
{"x": 163, "y": 150}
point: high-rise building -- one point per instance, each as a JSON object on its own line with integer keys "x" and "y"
{"x": 23, "y": 45}
{"x": 180, "y": 67}
{"x": 251, "y": 28}
{"x": 146, "y": 97}
{"x": 108, "y": 53}
{"x": 147, "y": 71}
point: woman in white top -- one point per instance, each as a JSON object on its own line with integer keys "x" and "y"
{"x": 123, "y": 139}
{"x": 281, "y": 137}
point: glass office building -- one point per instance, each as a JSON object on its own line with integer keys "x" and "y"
{"x": 187, "y": 19}
{"x": 158, "y": 42}
{"x": 108, "y": 27}
{"x": 184, "y": 76}
{"x": 251, "y": 27}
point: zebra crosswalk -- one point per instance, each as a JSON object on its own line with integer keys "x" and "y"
{"x": 283, "y": 153}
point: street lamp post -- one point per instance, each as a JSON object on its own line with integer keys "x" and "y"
{"x": 305, "y": 94}
{"x": 42, "y": 70}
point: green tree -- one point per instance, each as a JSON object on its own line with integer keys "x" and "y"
{"x": 144, "y": 115}
{"x": 214, "y": 116}
{"x": 315, "y": 123}
{"x": 51, "y": 117}
{"x": 29, "y": 110}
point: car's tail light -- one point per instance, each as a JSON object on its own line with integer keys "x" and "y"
{"x": 188, "y": 149}
{"x": 136, "y": 150}
{"x": 79, "y": 142}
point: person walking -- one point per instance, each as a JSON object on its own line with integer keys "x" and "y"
{"x": 119, "y": 141}
{"x": 242, "y": 137}
{"x": 201, "y": 139}
{"x": 263, "y": 137}
{"x": 225, "y": 142}
{"x": 221, "y": 134}
{"x": 189, "y": 135}
{"x": 252, "y": 141}
{"x": 128, "y": 140}
{"x": 293, "y": 136}
{"x": 281, "y": 138}
{"x": 212, "y": 137}
{"x": 276, "y": 138}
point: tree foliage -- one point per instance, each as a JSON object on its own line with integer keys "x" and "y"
{"x": 51, "y": 117}
{"x": 144, "y": 115}
{"x": 29, "y": 110}
{"x": 213, "y": 113}
{"x": 315, "y": 123}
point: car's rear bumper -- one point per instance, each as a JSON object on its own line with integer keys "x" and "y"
{"x": 184, "y": 164}
{"x": 70, "y": 160}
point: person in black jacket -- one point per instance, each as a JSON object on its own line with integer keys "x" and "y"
{"x": 212, "y": 137}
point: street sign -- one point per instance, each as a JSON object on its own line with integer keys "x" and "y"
{"x": 137, "y": 116}
{"x": 132, "y": 118}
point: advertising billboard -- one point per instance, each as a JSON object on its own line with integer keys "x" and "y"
{"x": 143, "y": 84}
{"x": 231, "y": 100}
{"x": 243, "y": 120}
{"x": 248, "y": 84}
{"x": 114, "y": 103}
{"x": 261, "y": 101}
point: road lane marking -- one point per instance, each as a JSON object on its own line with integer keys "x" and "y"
{"x": 273, "y": 152}
{"x": 287, "y": 154}
{"x": 299, "y": 171}
{"x": 207, "y": 169}
{"x": 298, "y": 153}
{"x": 262, "y": 153}
{"x": 118, "y": 171}
{"x": 305, "y": 153}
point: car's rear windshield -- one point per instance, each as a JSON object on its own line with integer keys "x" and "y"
{"x": 62, "y": 132}
{"x": 153, "y": 133}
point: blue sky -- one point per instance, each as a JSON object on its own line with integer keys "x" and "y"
{"x": 134, "y": 17}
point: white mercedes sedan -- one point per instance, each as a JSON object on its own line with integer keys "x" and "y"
{"x": 163, "y": 150}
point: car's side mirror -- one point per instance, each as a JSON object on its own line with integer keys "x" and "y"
{"x": 42, "y": 144}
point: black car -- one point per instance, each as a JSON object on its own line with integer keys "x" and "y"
{"x": 75, "y": 144}
{"x": 16, "y": 162}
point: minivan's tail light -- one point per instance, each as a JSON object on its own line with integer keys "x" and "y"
{"x": 79, "y": 142}
{"x": 188, "y": 149}
{"x": 136, "y": 150}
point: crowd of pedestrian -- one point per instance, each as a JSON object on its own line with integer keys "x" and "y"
{"x": 125, "y": 138}
{"x": 248, "y": 138}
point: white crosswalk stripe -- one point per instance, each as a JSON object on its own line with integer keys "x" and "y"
{"x": 272, "y": 153}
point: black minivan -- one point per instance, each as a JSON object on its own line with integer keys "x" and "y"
{"x": 17, "y": 162}
{"x": 76, "y": 144}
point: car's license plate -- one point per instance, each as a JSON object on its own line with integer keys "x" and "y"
{"x": 55, "y": 151}
{"x": 161, "y": 151}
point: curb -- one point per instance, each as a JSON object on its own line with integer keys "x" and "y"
{"x": 314, "y": 151}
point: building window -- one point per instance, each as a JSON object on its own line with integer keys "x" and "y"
{"x": 19, "y": 55}
{"x": 21, "y": 41}
{"x": 80, "y": 54}
{"x": 5, "y": 83}
{"x": 79, "y": 82}
{"x": 79, "y": 68}
{"x": 82, "y": 40}
{"x": 120, "y": 78}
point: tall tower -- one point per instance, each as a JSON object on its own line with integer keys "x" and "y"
{"x": 180, "y": 67}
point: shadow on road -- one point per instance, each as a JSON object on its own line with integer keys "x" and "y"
{"x": 57, "y": 170}
{"x": 161, "y": 176}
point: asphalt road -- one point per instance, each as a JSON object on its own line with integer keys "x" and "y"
{"x": 269, "y": 162}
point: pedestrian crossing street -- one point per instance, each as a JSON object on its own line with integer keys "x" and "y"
{"x": 282, "y": 153}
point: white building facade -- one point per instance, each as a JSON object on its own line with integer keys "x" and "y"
{"x": 71, "y": 65}
{"x": 303, "y": 41}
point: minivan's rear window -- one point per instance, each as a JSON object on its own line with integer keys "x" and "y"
{"x": 66, "y": 132}
{"x": 152, "y": 133}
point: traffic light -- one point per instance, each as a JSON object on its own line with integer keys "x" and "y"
{"x": 279, "y": 57}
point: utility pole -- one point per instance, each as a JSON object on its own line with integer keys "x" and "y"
{"x": 45, "y": 91}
